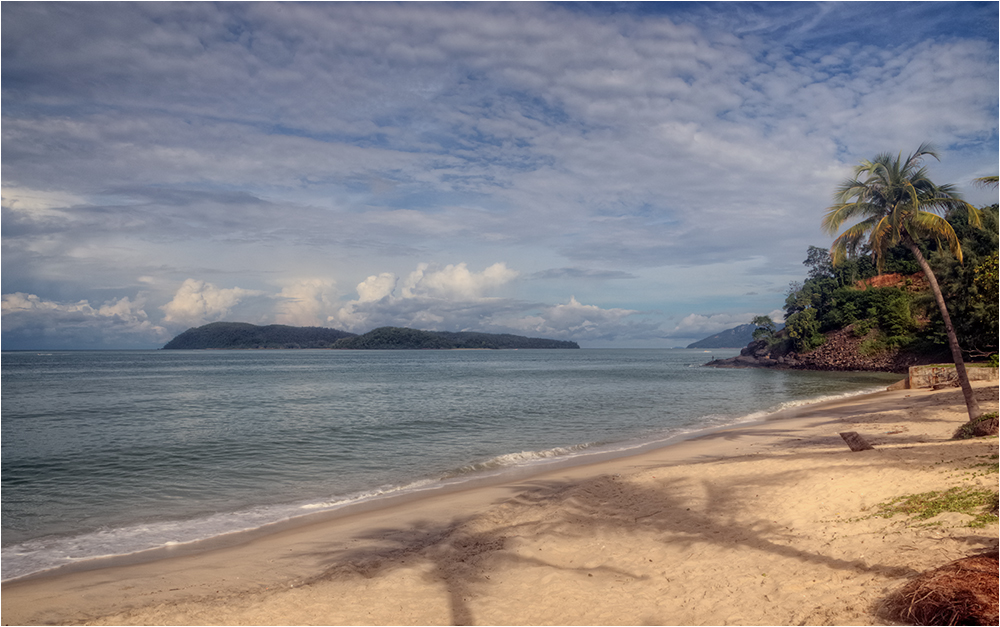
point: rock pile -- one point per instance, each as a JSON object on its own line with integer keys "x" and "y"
{"x": 839, "y": 352}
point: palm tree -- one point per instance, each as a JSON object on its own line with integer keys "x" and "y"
{"x": 894, "y": 202}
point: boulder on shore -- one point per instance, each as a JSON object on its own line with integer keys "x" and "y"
{"x": 839, "y": 352}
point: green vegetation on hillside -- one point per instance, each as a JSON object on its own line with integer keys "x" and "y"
{"x": 396, "y": 338}
{"x": 240, "y": 335}
{"x": 470, "y": 339}
{"x": 903, "y": 314}
{"x": 390, "y": 338}
{"x": 970, "y": 287}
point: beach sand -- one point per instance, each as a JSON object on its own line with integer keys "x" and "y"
{"x": 757, "y": 524}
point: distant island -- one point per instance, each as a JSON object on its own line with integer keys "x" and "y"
{"x": 245, "y": 336}
{"x": 737, "y": 337}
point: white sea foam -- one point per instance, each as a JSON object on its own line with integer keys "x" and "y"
{"x": 522, "y": 458}
{"x": 369, "y": 495}
{"x": 44, "y": 553}
{"x": 828, "y": 398}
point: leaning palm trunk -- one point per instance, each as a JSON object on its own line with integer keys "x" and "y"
{"x": 956, "y": 351}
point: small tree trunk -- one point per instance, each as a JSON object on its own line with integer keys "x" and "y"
{"x": 956, "y": 351}
{"x": 856, "y": 441}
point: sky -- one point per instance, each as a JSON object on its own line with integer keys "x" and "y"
{"x": 618, "y": 174}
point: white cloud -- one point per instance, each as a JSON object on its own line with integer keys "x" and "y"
{"x": 43, "y": 323}
{"x": 454, "y": 298}
{"x": 306, "y": 303}
{"x": 197, "y": 302}
{"x": 455, "y": 282}
{"x": 576, "y": 316}
{"x": 376, "y": 287}
{"x": 39, "y": 203}
{"x": 445, "y": 298}
{"x": 574, "y": 320}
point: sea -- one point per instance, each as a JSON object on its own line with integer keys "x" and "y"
{"x": 112, "y": 453}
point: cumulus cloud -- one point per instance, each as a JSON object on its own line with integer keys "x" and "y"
{"x": 376, "y": 287}
{"x": 444, "y": 298}
{"x": 455, "y": 298}
{"x": 455, "y": 282}
{"x": 575, "y": 320}
{"x": 197, "y": 302}
{"x": 575, "y": 316}
{"x": 306, "y": 303}
{"x": 32, "y": 322}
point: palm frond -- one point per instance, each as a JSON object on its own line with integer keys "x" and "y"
{"x": 946, "y": 199}
{"x": 987, "y": 181}
{"x": 851, "y": 240}
{"x": 894, "y": 200}
{"x": 959, "y": 207}
{"x": 925, "y": 224}
{"x": 925, "y": 148}
{"x": 848, "y": 189}
{"x": 837, "y": 215}
{"x": 886, "y": 229}
{"x": 973, "y": 215}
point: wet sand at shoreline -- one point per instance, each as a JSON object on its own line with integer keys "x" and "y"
{"x": 766, "y": 523}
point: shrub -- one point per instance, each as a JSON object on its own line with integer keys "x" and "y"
{"x": 803, "y": 330}
{"x": 984, "y": 425}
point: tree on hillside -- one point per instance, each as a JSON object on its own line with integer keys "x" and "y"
{"x": 970, "y": 287}
{"x": 819, "y": 263}
{"x": 895, "y": 202}
{"x": 765, "y": 328}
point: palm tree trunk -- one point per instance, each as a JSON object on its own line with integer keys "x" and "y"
{"x": 956, "y": 351}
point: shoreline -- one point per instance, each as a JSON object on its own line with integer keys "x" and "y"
{"x": 448, "y": 484}
{"x": 409, "y": 545}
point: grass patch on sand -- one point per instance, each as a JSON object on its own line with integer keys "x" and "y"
{"x": 976, "y": 468}
{"x": 979, "y": 503}
{"x": 987, "y": 468}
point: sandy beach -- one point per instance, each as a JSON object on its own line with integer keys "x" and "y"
{"x": 769, "y": 523}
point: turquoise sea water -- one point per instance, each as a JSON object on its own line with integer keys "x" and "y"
{"x": 113, "y": 452}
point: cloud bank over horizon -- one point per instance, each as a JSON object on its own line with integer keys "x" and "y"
{"x": 615, "y": 174}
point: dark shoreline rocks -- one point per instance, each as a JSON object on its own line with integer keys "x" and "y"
{"x": 839, "y": 353}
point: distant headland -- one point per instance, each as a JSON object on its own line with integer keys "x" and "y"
{"x": 245, "y": 336}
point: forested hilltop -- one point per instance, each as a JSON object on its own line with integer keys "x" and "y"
{"x": 241, "y": 335}
{"x": 389, "y": 338}
{"x": 850, "y": 317}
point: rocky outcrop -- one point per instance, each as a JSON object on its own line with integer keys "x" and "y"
{"x": 839, "y": 352}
